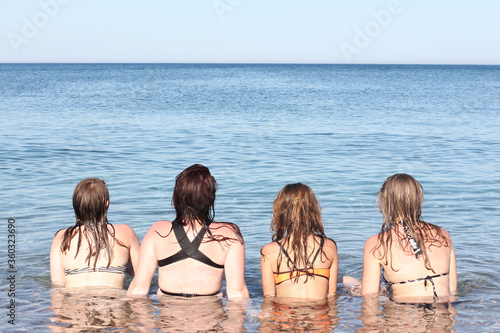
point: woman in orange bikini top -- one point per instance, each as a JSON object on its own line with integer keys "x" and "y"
{"x": 301, "y": 261}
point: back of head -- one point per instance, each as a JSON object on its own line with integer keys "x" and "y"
{"x": 194, "y": 195}
{"x": 401, "y": 198}
{"x": 296, "y": 216}
{"x": 90, "y": 201}
{"x": 296, "y": 213}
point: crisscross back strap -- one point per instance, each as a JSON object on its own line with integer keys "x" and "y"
{"x": 188, "y": 249}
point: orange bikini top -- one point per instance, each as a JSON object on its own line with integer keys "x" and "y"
{"x": 284, "y": 276}
{"x": 281, "y": 277}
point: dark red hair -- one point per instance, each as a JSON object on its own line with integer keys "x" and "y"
{"x": 194, "y": 201}
{"x": 194, "y": 195}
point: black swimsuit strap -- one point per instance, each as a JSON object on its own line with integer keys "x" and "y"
{"x": 188, "y": 249}
{"x": 290, "y": 259}
{"x": 425, "y": 279}
{"x": 319, "y": 250}
{"x": 287, "y": 256}
{"x": 185, "y": 294}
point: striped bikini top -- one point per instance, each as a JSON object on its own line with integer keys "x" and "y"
{"x": 111, "y": 269}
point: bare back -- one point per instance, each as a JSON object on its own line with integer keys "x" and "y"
{"x": 314, "y": 286}
{"x": 190, "y": 276}
{"x": 72, "y": 270}
{"x": 408, "y": 275}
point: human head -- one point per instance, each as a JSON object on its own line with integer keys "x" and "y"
{"x": 91, "y": 201}
{"x": 296, "y": 212}
{"x": 194, "y": 195}
{"x": 400, "y": 198}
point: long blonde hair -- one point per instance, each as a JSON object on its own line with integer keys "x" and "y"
{"x": 296, "y": 216}
{"x": 400, "y": 200}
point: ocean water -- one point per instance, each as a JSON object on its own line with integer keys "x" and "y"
{"x": 341, "y": 129}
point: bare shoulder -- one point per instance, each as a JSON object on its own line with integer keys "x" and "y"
{"x": 124, "y": 231}
{"x": 161, "y": 227}
{"x": 270, "y": 249}
{"x": 371, "y": 243}
{"x": 226, "y": 229}
{"x": 60, "y": 233}
{"x": 123, "y": 228}
{"x": 445, "y": 233}
{"x": 58, "y": 237}
{"x": 330, "y": 245}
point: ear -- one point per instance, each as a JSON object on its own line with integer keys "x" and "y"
{"x": 107, "y": 203}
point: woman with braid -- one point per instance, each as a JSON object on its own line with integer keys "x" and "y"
{"x": 301, "y": 261}
{"x": 93, "y": 252}
{"x": 417, "y": 257}
{"x": 193, "y": 252}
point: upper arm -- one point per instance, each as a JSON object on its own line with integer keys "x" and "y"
{"x": 146, "y": 266}
{"x": 134, "y": 246}
{"x": 453, "y": 272}
{"x": 268, "y": 285}
{"x": 371, "y": 268}
{"x": 234, "y": 270}
{"x": 332, "y": 284}
{"x": 57, "y": 275}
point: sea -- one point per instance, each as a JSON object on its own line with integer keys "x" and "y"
{"x": 341, "y": 129}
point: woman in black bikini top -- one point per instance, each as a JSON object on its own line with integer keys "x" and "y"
{"x": 193, "y": 251}
{"x": 417, "y": 257}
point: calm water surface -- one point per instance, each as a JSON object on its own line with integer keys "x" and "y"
{"x": 341, "y": 129}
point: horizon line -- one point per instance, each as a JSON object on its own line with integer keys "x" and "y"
{"x": 247, "y": 63}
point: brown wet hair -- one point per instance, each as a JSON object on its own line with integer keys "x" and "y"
{"x": 296, "y": 216}
{"x": 90, "y": 203}
{"x": 194, "y": 201}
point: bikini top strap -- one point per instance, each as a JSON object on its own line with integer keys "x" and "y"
{"x": 319, "y": 250}
{"x": 290, "y": 259}
{"x": 190, "y": 248}
{"x": 286, "y": 255}
{"x": 416, "y": 249}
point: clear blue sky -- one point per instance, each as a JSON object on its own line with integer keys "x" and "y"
{"x": 251, "y": 31}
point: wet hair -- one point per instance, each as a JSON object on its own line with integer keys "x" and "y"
{"x": 194, "y": 195}
{"x": 194, "y": 201}
{"x": 296, "y": 216}
{"x": 400, "y": 199}
{"x": 90, "y": 202}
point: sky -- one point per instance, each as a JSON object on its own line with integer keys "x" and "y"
{"x": 250, "y": 31}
